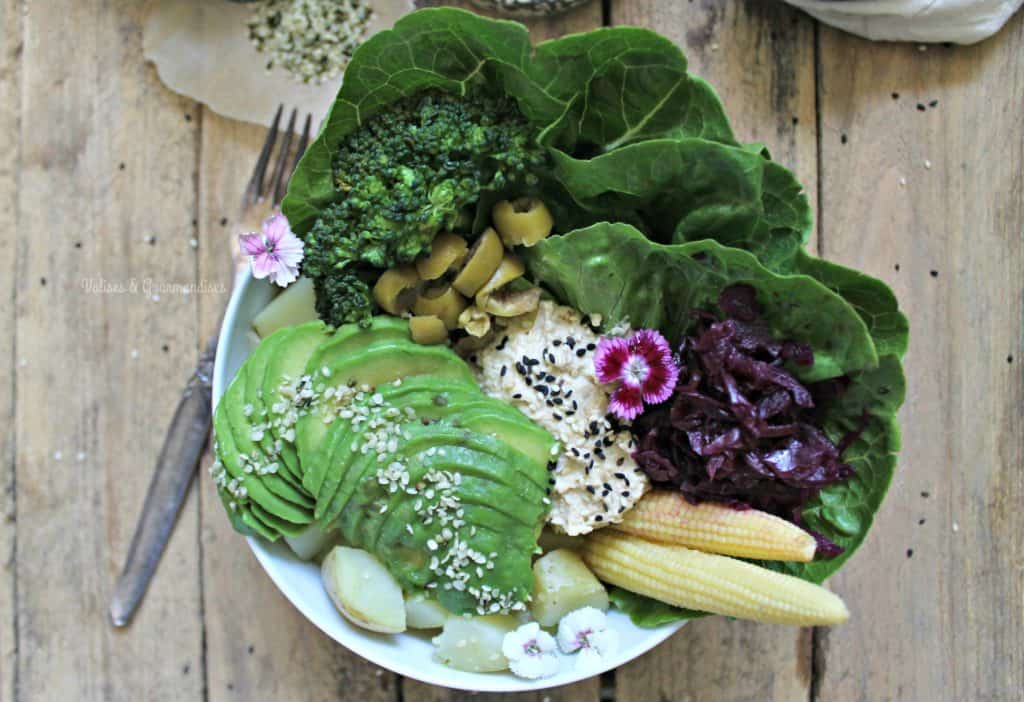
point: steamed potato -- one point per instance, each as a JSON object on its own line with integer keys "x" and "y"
{"x": 474, "y": 643}
{"x": 295, "y": 305}
{"x": 562, "y": 583}
{"x": 363, "y": 590}
{"x": 309, "y": 543}
{"x": 423, "y": 612}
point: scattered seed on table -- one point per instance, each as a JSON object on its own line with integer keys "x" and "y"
{"x": 924, "y": 493}
{"x": 921, "y": 107}
{"x": 927, "y": 164}
{"x": 895, "y": 96}
{"x": 933, "y": 103}
{"x": 1009, "y": 359}
{"x": 910, "y": 553}
{"x": 843, "y": 139}
{"x": 933, "y": 274}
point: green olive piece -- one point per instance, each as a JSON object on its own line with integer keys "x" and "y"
{"x": 396, "y": 289}
{"x": 482, "y": 260}
{"x": 475, "y": 321}
{"x": 447, "y": 251}
{"x": 524, "y": 221}
{"x": 441, "y": 301}
{"x": 428, "y": 329}
{"x": 512, "y": 303}
{"x": 508, "y": 270}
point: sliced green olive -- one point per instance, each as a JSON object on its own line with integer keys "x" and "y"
{"x": 524, "y": 221}
{"x": 441, "y": 301}
{"x": 482, "y": 260}
{"x": 447, "y": 252}
{"x": 428, "y": 329}
{"x": 475, "y": 321}
{"x": 512, "y": 303}
{"x": 396, "y": 289}
{"x": 508, "y": 270}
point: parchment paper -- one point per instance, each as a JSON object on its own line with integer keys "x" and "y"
{"x": 201, "y": 49}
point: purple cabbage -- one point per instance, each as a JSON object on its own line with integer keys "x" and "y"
{"x": 740, "y": 428}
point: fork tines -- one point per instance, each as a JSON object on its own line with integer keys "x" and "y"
{"x": 259, "y": 188}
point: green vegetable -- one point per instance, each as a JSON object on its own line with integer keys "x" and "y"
{"x": 613, "y": 270}
{"x": 343, "y": 298}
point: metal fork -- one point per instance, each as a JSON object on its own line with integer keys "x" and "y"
{"x": 255, "y": 192}
{"x": 190, "y": 427}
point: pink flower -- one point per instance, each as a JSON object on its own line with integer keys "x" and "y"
{"x": 276, "y": 253}
{"x": 642, "y": 365}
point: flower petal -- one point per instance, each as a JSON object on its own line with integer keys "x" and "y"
{"x": 609, "y": 358}
{"x": 284, "y": 275}
{"x": 626, "y": 402}
{"x": 263, "y": 264}
{"x": 660, "y": 383}
{"x": 276, "y": 229}
{"x": 252, "y": 243}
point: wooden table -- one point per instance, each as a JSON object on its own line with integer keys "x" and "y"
{"x": 913, "y": 158}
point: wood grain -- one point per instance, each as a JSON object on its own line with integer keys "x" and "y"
{"x": 258, "y": 646}
{"x": 760, "y": 59}
{"x": 586, "y": 17}
{"x": 929, "y": 199}
{"x": 10, "y": 89}
{"x": 105, "y": 191}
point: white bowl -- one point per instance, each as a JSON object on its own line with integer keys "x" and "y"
{"x": 409, "y": 654}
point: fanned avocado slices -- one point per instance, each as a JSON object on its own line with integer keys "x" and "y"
{"x": 393, "y": 444}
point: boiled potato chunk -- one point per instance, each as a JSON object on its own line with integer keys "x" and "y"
{"x": 309, "y": 543}
{"x": 549, "y": 540}
{"x": 474, "y": 643}
{"x": 562, "y": 583}
{"x": 423, "y": 612}
{"x": 296, "y": 305}
{"x": 363, "y": 590}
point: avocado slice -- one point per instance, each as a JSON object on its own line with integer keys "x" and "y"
{"x": 350, "y": 338}
{"x": 232, "y": 460}
{"x": 379, "y": 363}
{"x": 254, "y": 369}
{"x": 285, "y": 363}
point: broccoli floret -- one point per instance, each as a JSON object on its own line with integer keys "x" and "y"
{"x": 411, "y": 171}
{"x": 343, "y": 298}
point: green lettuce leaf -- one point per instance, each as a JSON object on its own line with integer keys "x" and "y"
{"x": 613, "y": 270}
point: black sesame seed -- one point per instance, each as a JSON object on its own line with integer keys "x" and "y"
{"x": 517, "y": 396}
{"x": 549, "y": 378}
{"x": 504, "y": 370}
{"x": 591, "y": 490}
{"x": 599, "y": 518}
{"x": 594, "y": 427}
{"x": 557, "y": 416}
{"x": 223, "y": 221}
{"x": 556, "y": 342}
{"x": 895, "y": 96}
{"x": 581, "y": 352}
{"x": 575, "y": 451}
{"x": 586, "y": 455}
{"x": 607, "y": 487}
{"x": 551, "y": 358}
{"x": 924, "y": 493}
{"x": 910, "y": 553}
{"x": 472, "y": 359}
{"x": 608, "y": 441}
{"x": 570, "y": 342}
{"x": 625, "y": 493}
{"x": 934, "y": 274}
{"x": 933, "y": 103}
{"x": 552, "y": 465}
{"x": 529, "y": 380}
{"x": 520, "y": 368}
{"x": 568, "y": 394}
{"x": 920, "y": 521}
{"x": 620, "y": 461}
{"x": 542, "y": 389}
{"x": 501, "y": 344}
{"x": 920, "y": 107}
{"x": 843, "y": 139}
{"x": 620, "y": 476}
{"x": 591, "y": 347}
{"x": 530, "y": 361}
{"x": 557, "y": 401}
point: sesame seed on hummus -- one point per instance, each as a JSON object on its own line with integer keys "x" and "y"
{"x": 545, "y": 367}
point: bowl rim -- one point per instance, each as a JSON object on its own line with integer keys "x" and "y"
{"x": 483, "y": 682}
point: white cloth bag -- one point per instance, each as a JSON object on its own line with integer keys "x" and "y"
{"x": 959, "y": 21}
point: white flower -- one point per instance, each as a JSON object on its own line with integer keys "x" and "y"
{"x": 586, "y": 630}
{"x": 530, "y": 652}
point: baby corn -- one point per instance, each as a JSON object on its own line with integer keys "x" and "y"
{"x": 666, "y": 516}
{"x": 686, "y": 578}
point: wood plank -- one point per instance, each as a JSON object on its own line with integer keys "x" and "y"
{"x": 587, "y": 17}
{"x": 760, "y": 59}
{"x": 258, "y": 646}
{"x": 929, "y": 199}
{"x": 10, "y": 90}
{"x": 106, "y": 192}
